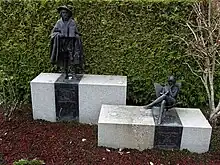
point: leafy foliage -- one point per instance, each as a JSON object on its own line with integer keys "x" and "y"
{"x": 131, "y": 38}
{"x": 29, "y": 162}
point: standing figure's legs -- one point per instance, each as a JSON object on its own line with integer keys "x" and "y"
{"x": 74, "y": 71}
{"x": 77, "y": 69}
{"x": 66, "y": 64}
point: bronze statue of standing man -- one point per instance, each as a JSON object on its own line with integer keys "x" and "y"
{"x": 66, "y": 46}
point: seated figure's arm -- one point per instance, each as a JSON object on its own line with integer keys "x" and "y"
{"x": 162, "y": 91}
{"x": 165, "y": 90}
{"x": 174, "y": 92}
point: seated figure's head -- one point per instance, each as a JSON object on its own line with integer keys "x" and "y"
{"x": 171, "y": 80}
{"x": 65, "y": 12}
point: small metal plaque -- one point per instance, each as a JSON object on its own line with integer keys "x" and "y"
{"x": 67, "y": 99}
{"x": 167, "y": 137}
{"x": 168, "y": 134}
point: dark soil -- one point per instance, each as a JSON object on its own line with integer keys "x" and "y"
{"x": 62, "y": 144}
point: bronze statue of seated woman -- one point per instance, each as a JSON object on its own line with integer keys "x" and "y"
{"x": 166, "y": 96}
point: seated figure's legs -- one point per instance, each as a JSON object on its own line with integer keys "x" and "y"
{"x": 158, "y": 100}
{"x": 161, "y": 111}
{"x": 170, "y": 101}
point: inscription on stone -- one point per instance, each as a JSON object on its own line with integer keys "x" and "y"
{"x": 168, "y": 134}
{"x": 167, "y": 137}
{"x": 66, "y": 94}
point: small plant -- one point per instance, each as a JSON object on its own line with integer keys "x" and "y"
{"x": 29, "y": 162}
{"x": 8, "y": 99}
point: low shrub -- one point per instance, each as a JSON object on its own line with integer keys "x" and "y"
{"x": 29, "y": 162}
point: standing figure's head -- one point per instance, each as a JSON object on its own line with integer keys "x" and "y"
{"x": 65, "y": 12}
{"x": 171, "y": 80}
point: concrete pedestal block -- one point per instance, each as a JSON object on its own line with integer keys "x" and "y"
{"x": 43, "y": 96}
{"x": 80, "y": 99}
{"x": 121, "y": 126}
{"x": 95, "y": 90}
{"x": 197, "y": 131}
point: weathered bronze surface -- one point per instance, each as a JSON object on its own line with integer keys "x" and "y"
{"x": 166, "y": 96}
{"x": 66, "y": 45}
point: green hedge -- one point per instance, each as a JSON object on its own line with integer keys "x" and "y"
{"x": 131, "y": 38}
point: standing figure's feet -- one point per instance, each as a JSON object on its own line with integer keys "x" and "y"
{"x": 66, "y": 77}
{"x": 74, "y": 76}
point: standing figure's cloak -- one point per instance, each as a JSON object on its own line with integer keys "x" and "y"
{"x": 67, "y": 29}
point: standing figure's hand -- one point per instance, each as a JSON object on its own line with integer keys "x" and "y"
{"x": 61, "y": 35}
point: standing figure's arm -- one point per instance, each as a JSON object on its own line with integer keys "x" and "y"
{"x": 56, "y": 30}
{"x": 54, "y": 43}
{"x": 77, "y": 46}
